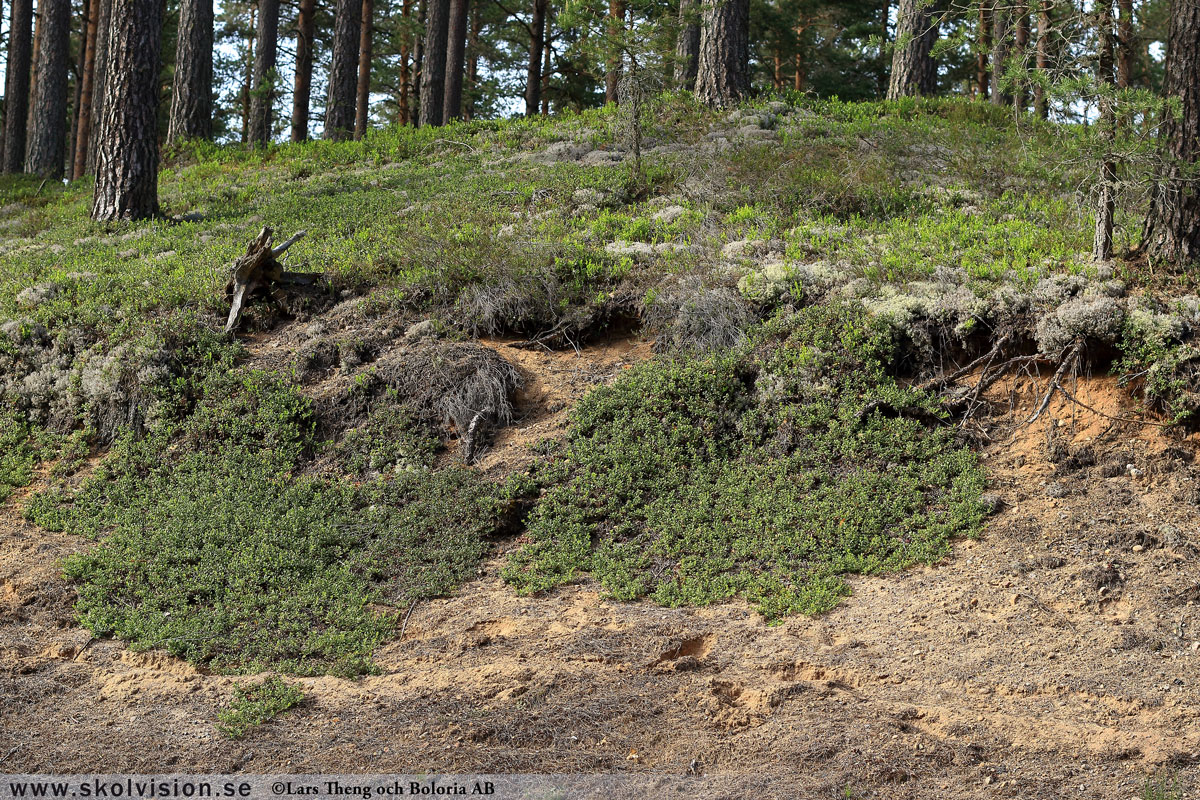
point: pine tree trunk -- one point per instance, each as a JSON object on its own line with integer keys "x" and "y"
{"x": 33, "y": 67}
{"x": 263, "y": 88}
{"x": 248, "y": 74}
{"x": 687, "y": 45}
{"x": 1020, "y": 46}
{"x": 612, "y": 74}
{"x": 302, "y": 85}
{"x": 1125, "y": 44}
{"x": 405, "y": 67}
{"x": 16, "y": 92}
{"x": 127, "y": 138}
{"x": 419, "y": 61}
{"x": 191, "y": 96}
{"x": 1041, "y": 104}
{"x": 1000, "y": 32}
{"x": 1106, "y": 204}
{"x": 533, "y": 72}
{"x": 433, "y": 71}
{"x": 983, "y": 49}
{"x": 914, "y": 72}
{"x": 472, "y": 78}
{"x": 456, "y": 49}
{"x": 722, "y": 72}
{"x": 343, "y": 74}
{"x": 99, "y": 77}
{"x": 47, "y": 134}
{"x": 362, "y": 103}
{"x": 547, "y": 52}
{"x": 1172, "y": 232}
{"x": 77, "y": 87}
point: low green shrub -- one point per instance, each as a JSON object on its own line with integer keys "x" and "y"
{"x": 216, "y": 551}
{"x": 256, "y": 703}
{"x": 769, "y": 472}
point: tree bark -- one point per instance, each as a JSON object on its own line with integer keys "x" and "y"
{"x": 1020, "y": 45}
{"x": 343, "y": 74}
{"x": 722, "y": 72}
{"x": 47, "y": 134}
{"x": 456, "y": 49}
{"x": 1041, "y": 104}
{"x": 914, "y": 72}
{"x": 533, "y": 72}
{"x": 362, "y": 104}
{"x": 302, "y": 85}
{"x": 263, "y": 88}
{"x": 99, "y": 78}
{"x": 191, "y": 96}
{"x": 419, "y": 60}
{"x": 77, "y": 90}
{"x": 127, "y": 138}
{"x": 1125, "y": 44}
{"x": 1172, "y": 232}
{"x": 433, "y": 71}
{"x": 547, "y": 52}
{"x": 248, "y": 73}
{"x": 983, "y": 49}
{"x": 405, "y": 67}
{"x": 472, "y": 77}
{"x": 687, "y": 45}
{"x": 1106, "y": 204}
{"x": 1000, "y": 31}
{"x": 612, "y": 74}
{"x": 16, "y": 92}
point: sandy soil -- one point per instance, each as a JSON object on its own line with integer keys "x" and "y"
{"x": 1057, "y": 656}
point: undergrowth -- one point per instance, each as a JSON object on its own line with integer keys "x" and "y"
{"x": 769, "y": 472}
{"x": 255, "y": 704}
{"x": 215, "y": 550}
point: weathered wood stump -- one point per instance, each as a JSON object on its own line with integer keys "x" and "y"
{"x": 258, "y": 273}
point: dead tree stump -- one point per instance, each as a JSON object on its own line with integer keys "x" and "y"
{"x": 258, "y": 273}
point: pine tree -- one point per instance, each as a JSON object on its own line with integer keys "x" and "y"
{"x": 687, "y": 44}
{"x": 456, "y": 48}
{"x": 433, "y": 70}
{"x": 913, "y": 69}
{"x": 16, "y": 92}
{"x": 343, "y": 74}
{"x": 363, "y": 95}
{"x": 1172, "y": 231}
{"x": 302, "y": 86}
{"x": 191, "y": 97}
{"x": 263, "y": 91}
{"x": 127, "y": 138}
{"x": 83, "y": 113}
{"x": 47, "y": 134}
{"x": 722, "y": 73}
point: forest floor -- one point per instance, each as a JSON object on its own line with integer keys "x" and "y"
{"x": 776, "y": 317}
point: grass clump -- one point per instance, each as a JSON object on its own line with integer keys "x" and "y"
{"x": 217, "y": 551}
{"x": 256, "y": 703}
{"x": 770, "y": 471}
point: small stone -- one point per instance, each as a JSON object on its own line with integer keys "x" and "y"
{"x": 425, "y": 329}
{"x": 991, "y": 502}
{"x": 669, "y": 214}
{"x": 1137, "y": 548}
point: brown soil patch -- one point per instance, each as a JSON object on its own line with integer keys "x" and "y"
{"x": 1055, "y": 657}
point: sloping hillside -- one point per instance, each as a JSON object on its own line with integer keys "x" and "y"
{"x": 808, "y": 441}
